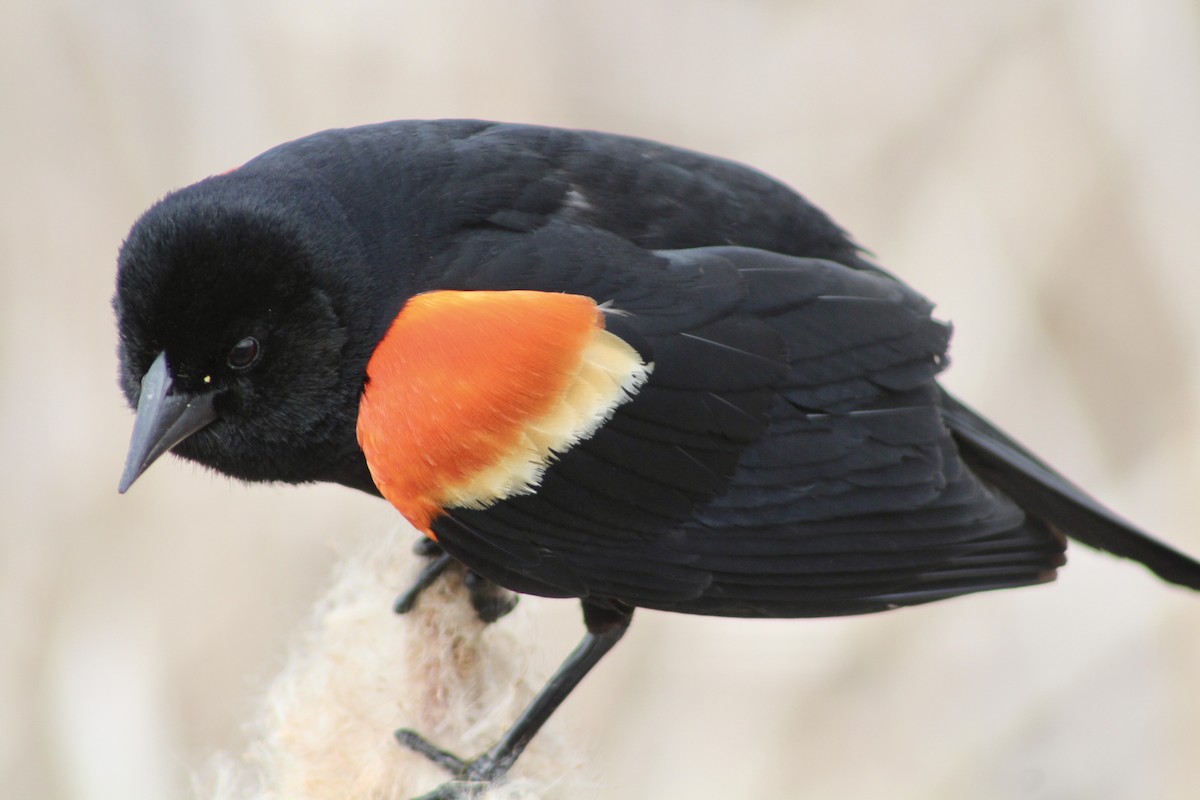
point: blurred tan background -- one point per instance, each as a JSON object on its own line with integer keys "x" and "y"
{"x": 1034, "y": 167}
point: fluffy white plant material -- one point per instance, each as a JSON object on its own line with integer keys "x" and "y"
{"x": 361, "y": 671}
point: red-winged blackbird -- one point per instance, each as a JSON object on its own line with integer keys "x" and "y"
{"x": 587, "y": 366}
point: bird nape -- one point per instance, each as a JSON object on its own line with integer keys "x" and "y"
{"x": 585, "y": 366}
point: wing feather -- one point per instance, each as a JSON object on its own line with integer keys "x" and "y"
{"x": 788, "y": 455}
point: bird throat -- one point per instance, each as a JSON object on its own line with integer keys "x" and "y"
{"x": 470, "y": 395}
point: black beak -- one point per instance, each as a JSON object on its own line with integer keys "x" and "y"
{"x": 164, "y": 419}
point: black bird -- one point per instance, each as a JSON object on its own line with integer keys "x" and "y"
{"x": 586, "y": 366}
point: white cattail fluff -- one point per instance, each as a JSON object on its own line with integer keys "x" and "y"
{"x": 361, "y": 671}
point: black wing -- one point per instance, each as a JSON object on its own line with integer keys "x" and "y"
{"x": 787, "y": 457}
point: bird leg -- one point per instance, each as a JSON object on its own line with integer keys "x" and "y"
{"x": 606, "y": 625}
{"x": 490, "y": 601}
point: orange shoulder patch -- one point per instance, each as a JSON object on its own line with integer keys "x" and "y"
{"x": 469, "y": 395}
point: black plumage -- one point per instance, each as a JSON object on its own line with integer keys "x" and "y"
{"x": 790, "y": 455}
{"x": 807, "y": 406}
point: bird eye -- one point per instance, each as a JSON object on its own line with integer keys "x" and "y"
{"x": 243, "y": 354}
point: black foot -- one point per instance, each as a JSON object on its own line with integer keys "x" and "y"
{"x": 471, "y": 778}
{"x": 491, "y": 602}
{"x": 606, "y": 625}
{"x": 433, "y": 570}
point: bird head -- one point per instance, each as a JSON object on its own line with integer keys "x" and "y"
{"x": 232, "y": 347}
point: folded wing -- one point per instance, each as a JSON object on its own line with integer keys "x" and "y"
{"x": 787, "y": 455}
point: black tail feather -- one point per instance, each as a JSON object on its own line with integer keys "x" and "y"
{"x": 1049, "y": 496}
